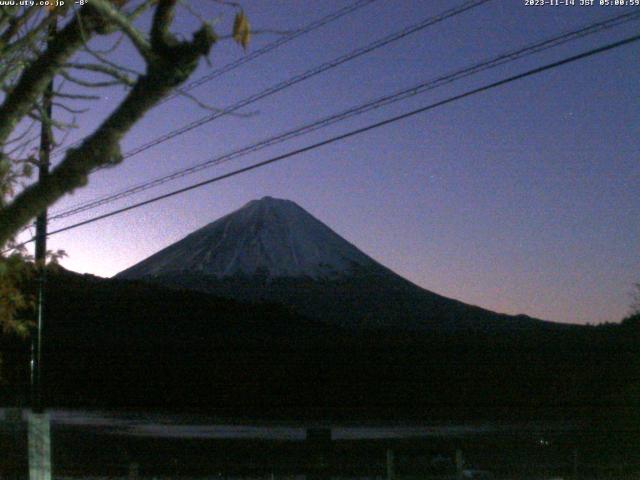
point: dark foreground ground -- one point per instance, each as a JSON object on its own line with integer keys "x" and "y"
{"x": 84, "y": 448}
{"x": 130, "y": 345}
{"x": 139, "y": 348}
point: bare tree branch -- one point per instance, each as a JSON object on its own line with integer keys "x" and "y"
{"x": 115, "y": 73}
{"x": 94, "y": 84}
{"x": 171, "y": 64}
{"x": 77, "y": 96}
{"x": 124, "y": 23}
{"x": 68, "y": 109}
{"x": 27, "y": 40}
{"x": 37, "y": 76}
{"x": 14, "y": 26}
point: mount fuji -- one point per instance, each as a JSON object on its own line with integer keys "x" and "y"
{"x": 275, "y": 251}
{"x": 268, "y": 237}
{"x": 268, "y": 311}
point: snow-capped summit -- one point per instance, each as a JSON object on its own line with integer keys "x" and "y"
{"x": 267, "y": 237}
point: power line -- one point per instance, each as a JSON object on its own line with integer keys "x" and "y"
{"x": 358, "y": 110}
{"x": 252, "y": 56}
{"x": 352, "y": 133}
{"x": 267, "y": 48}
{"x": 310, "y": 73}
{"x": 306, "y": 75}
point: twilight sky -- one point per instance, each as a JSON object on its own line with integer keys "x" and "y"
{"x": 519, "y": 200}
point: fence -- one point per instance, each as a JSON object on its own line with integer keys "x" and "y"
{"x": 92, "y": 452}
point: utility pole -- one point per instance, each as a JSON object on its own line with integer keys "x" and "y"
{"x": 46, "y": 143}
{"x": 39, "y": 423}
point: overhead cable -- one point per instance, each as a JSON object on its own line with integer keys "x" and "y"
{"x": 306, "y": 75}
{"x": 253, "y": 55}
{"x": 270, "y": 46}
{"x": 431, "y": 84}
{"x": 349, "y": 134}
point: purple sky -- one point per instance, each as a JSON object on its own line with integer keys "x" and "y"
{"x": 520, "y": 199}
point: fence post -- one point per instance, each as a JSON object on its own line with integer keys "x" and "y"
{"x": 459, "y": 464}
{"x": 390, "y": 464}
{"x": 39, "y": 440}
{"x": 134, "y": 471}
{"x": 575, "y": 463}
{"x": 319, "y": 444}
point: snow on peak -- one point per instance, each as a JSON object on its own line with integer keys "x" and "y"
{"x": 269, "y": 236}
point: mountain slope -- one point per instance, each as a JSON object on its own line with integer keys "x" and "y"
{"x": 273, "y": 250}
{"x": 114, "y": 344}
{"x": 268, "y": 237}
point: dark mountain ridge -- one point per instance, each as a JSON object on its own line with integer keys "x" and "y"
{"x": 129, "y": 344}
{"x": 270, "y": 313}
